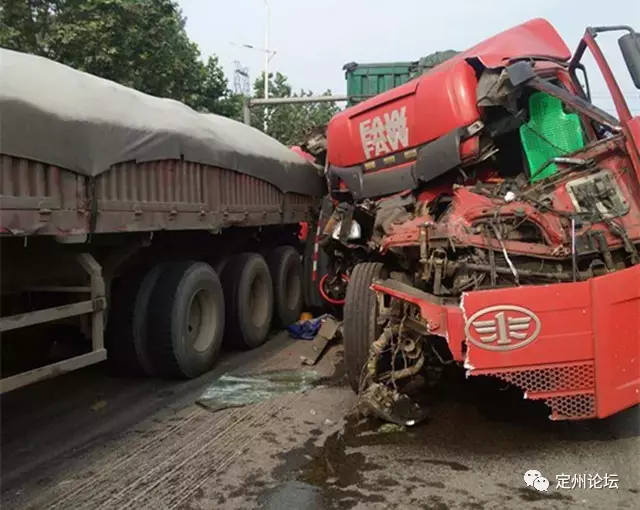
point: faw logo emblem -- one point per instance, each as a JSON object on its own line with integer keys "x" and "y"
{"x": 502, "y": 328}
{"x": 385, "y": 133}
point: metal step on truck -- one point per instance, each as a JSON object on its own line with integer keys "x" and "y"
{"x": 134, "y": 228}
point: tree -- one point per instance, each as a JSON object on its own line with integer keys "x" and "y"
{"x": 138, "y": 43}
{"x": 289, "y": 123}
{"x": 23, "y": 23}
{"x": 214, "y": 94}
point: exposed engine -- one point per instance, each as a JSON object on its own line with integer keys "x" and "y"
{"x": 497, "y": 232}
{"x": 500, "y": 231}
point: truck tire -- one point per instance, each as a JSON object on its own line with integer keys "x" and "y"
{"x": 361, "y": 326}
{"x": 186, "y": 320}
{"x": 126, "y": 336}
{"x": 248, "y": 291}
{"x": 286, "y": 274}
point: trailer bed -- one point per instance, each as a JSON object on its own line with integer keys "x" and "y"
{"x": 80, "y": 154}
{"x": 41, "y": 199}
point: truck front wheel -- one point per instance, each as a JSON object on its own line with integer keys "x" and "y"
{"x": 186, "y": 320}
{"x": 248, "y": 292}
{"x": 361, "y": 326}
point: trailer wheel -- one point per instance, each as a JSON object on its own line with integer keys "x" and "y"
{"x": 248, "y": 291}
{"x": 361, "y": 326}
{"x": 286, "y": 273}
{"x": 126, "y": 336}
{"x": 186, "y": 320}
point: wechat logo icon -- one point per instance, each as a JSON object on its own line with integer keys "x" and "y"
{"x": 534, "y": 478}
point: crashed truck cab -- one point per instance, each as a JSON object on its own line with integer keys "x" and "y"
{"x": 492, "y": 207}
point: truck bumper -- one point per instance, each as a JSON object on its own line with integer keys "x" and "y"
{"x": 574, "y": 345}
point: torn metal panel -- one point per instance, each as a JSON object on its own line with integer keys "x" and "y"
{"x": 552, "y": 340}
{"x": 466, "y": 364}
{"x": 438, "y": 318}
{"x": 544, "y": 339}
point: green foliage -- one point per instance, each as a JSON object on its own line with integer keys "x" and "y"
{"x": 289, "y": 123}
{"x": 143, "y": 44}
{"x": 138, "y": 43}
{"x": 214, "y": 95}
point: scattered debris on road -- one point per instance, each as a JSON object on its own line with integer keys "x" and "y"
{"x": 240, "y": 390}
{"x": 306, "y": 329}
{"x": 391, "y": 405}
{"x": 312, "y": 351}
{"x": 391, "y": 428}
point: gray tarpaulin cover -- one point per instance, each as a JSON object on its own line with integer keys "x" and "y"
{"x": 57, "y": 115}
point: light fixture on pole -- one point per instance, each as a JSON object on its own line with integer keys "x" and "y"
{"x": 268, "y": 55}
{"x": 271, "y": 53}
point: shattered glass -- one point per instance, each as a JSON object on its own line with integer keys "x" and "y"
{"x": 246, "y": 389}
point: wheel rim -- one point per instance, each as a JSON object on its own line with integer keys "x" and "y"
{"x": 326, "y": 293}
{"x": 201, "y": 321}
{"x": 293, "y": 288}
{"x": 258, "y": 297}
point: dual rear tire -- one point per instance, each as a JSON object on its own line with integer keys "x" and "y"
{"x": 248, "y": 289}
{"x": 186, "y": 326}
{"x": 167, "y": 321}
{"x": 171, "y": 320}
{"x": 287, "y": 276}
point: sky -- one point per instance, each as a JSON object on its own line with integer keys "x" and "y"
{"x": 313, "y": 39}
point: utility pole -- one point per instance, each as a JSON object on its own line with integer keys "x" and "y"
{"x": 266, "y": 50}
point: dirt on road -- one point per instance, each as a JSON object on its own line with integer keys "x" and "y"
{"x": 92, "y": 440}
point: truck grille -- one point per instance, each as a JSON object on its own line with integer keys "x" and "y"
{"x": 568, "y": 389}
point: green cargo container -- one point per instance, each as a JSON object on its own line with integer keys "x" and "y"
{"x": 367, "y": 80}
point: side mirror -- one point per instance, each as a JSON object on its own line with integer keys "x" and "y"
{"x": 630, "y": 48}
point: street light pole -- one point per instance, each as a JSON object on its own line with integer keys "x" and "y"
{"x": 266, "y": 51}
{"x": 266, "y": 60}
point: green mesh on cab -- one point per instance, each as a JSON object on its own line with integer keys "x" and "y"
{"x": 549, "y": 121}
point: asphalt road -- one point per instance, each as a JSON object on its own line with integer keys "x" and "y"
{"x": 92, "y": 440}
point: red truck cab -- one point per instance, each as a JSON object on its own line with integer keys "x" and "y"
{"x": 509, "y": 205}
